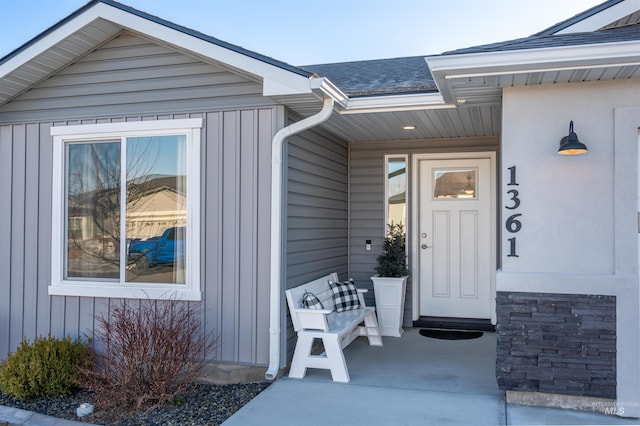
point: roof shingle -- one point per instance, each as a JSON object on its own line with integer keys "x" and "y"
{"x": 379, "y": 77}
{"x": 613, "y": 35}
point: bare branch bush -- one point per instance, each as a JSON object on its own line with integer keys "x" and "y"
{"x": 146, "y": 354}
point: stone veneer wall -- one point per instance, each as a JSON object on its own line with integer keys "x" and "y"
{"x": 556, "y": 343}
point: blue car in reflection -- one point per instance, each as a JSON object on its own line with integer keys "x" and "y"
{"x": 166, "y": 249}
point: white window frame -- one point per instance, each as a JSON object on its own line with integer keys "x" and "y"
{"x": 387, "y": 159}
{"x": 62, "y": 135}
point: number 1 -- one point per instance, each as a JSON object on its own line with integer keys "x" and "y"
{"x": 512, "y": 180}
{"x": 512, "y": 247}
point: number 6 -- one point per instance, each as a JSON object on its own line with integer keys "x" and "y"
{"x": 513, "y": 225}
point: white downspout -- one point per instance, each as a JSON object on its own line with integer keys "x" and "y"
{"x": 276, "y": 229}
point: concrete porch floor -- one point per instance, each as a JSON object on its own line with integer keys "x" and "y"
{"x": 412, "y": 380}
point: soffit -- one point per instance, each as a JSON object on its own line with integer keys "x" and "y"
{"x": 478, "y": 74}
{"x": 101, "y": 20}
{"x": 443, "y": 122}
{"x": 57, "y": 57}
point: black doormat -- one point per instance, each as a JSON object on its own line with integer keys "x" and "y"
{"x": 450, "y": 334}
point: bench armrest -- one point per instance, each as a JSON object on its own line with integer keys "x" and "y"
{"x": 361, "y": 292}
{"x": 313, "y": 311}
{"x": 313, "y": 319}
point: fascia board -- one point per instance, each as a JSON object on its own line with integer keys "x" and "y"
{"x": 56, "y": 36}
{"x": 390, "y": 103}
{"x": 324, "y": 87}
{"x": 534, "y": 59}
{"x": 286, "y": 80}
{"x": 205, "y": 48}
{"x": 603, "y": 18}
{"x": 449, "y": 67}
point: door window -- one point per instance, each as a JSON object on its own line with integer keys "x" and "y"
{"x": 454, "y": 184}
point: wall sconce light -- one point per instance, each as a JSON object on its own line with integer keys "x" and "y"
{"x": 570, "y": 145}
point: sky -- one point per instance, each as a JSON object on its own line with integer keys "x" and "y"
{"x": 302, "y": 32}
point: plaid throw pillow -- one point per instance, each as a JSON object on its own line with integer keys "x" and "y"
{"x": 310, "y": 301}
{"x": 345, "y": 295}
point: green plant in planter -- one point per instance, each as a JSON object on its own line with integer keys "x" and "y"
{"x": 393, "y": 260}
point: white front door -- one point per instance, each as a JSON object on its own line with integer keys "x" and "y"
{"x": 454, "y": 237}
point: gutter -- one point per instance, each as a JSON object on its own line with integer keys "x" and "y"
{"x": 277, "y": 175}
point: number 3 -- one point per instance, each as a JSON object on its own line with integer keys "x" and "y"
{"x": 514, "y": 197}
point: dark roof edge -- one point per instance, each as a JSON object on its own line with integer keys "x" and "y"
{"x": 168, "y": 24}
{"x": 48, "y": 31}
{"x": 577, "y": 18}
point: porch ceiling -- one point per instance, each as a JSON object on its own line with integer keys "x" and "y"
{"x": 441, "y": 123}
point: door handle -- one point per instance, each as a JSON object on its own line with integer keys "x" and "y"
{"x": 424, "y": 246}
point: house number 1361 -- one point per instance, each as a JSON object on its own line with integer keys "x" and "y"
{"x": 513, "y": 223}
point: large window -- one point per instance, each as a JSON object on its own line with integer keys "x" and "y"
{"x": 125, "y": 210}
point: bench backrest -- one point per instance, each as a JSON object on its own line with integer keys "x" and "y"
{"x": 320, "y": 288}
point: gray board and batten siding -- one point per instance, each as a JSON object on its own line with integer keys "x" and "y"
{"x": 131, "y": 79}
{"x": 367, "y": 199}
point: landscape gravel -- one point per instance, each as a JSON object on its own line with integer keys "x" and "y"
{"x": 202, "y": 405}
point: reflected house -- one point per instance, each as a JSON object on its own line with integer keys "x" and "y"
{"x": 455, "y": 184}
{"x": 397, "y": 191}
{"x": 92, "y": 227}
{"x": 155, "y": 204}
{"x": 398, "y": 208}
{"x": 160, "y": 205}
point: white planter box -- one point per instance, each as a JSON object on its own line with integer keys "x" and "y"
{"x": 389, "y": 293}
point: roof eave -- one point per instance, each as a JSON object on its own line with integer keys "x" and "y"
{"x": 390, "y": 103}
{"x": 278, "y": 77}
{"x": 593, "y": 19}
{"x": 446, "y": 68}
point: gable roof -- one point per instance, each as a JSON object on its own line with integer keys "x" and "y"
{"x": 164, "y": 22}
{"x": 99, "y": 21}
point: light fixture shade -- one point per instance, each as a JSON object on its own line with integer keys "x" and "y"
{"x": 570, "y": 145}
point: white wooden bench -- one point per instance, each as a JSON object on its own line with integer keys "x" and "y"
{"x": 335, "y": 329}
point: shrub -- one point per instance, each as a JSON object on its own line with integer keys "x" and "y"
{"x": 47, "y": 367}
{"x": 146, "y": 354}
{"x": 393, "y": 260}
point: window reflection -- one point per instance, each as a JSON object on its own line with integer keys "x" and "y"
{"x": 458, "y": 183}
{"x": 156, "y": 213}
{"x": 93, "y": 210}
{"x": 397, "y": 191}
